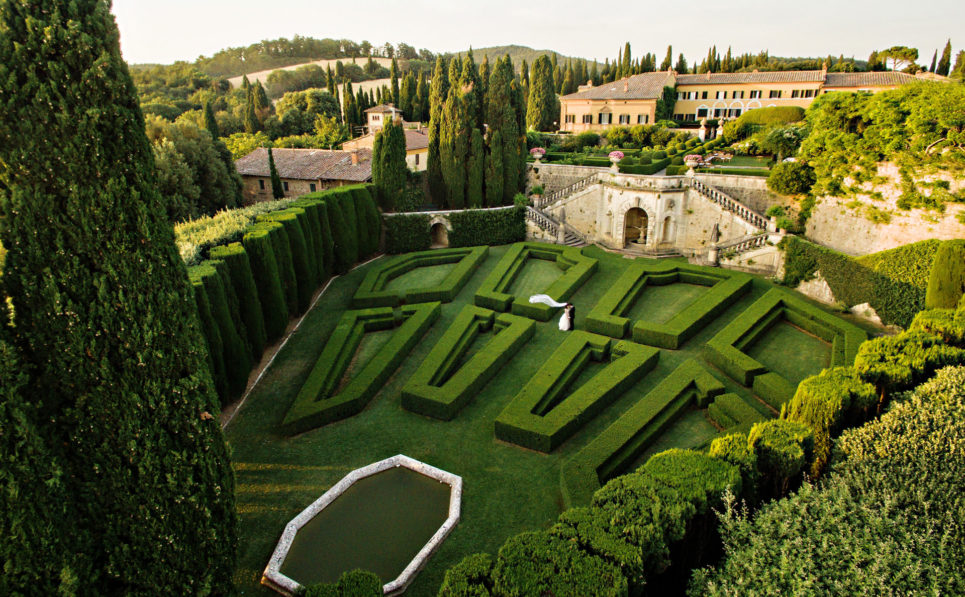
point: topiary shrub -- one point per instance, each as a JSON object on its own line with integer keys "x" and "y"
{"x": 946, "y": 283}
{"x": 354, "y": 583}
{"x": 791, "y": 178}
{"x": 471, "y": 577}
{"x": 783, "y": 450}
{"x": 264, "y": 267}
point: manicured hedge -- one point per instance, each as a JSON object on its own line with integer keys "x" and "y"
{"x": 405, "y": 233}
{"x": 372, "y": 291}
{"x": 726, "y": 349}
{"x": 783, "y": 450}
{"x": 548, "y": 410}
{"x": 316, "y": 403}
{"x": 440, "y": 387}
{"x": 492, "y": 294}
{"x": 894, "y": 282}
{"x": 607, "y": 315}
{"x": 474, "y": 227}
{"x": 246, "y": 292}
{"x": 196, "y": 237}
{"x": 621, "y": 443}
{"x": 264, "y": 269}
{"x": 731, "y": 411}
{"x": 304, "y": 271}
{"x": 656, "y": 166}
{"x": 946, "y": 282}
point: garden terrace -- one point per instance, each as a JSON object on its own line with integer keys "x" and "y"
{"x": 279, "y": 472}
{"x": 729, "y": 349}
{"x": 609, "y": 316}
{"x": 498, "y": 292}
{"x": 377, "y": 288}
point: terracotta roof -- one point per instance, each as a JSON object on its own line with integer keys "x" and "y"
{"x": 308, "y": 164}
{"x": 383, "y": 108}
{"x": 416, "y": 139}
{"x": 783, "y": 76}
{"x": 642, "y": 86}
{"x": 872, "y": 79}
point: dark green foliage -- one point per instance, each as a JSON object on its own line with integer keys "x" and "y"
{"x": 827, "y": 403}
{"x": 946, "y": 284}
{"x": 471, "y": 577}
{"x": 783, "y": 450}
{"x": 210, "y": 124}
{"x": 542, "y": 109}
{"x": 736, "y": 450}
{"x": 438, "y": 92}
{"x": 487, "y": 227}
{"x": 122, "y": 416}
{"x": 492, "y": 292}
{"x": 892, "y": 281}
{"x": 212, "y": 336}
{"x": 791, "y": 178}
{"x": 475, "y": 167}
{"x": 613, "y": 450}
{"x": 276, "y": 189}
{"x": 304, "y": 273}
{"x": 246, "y": 291}
{"x": 282, "y": 247}
{"x": 354, "y": 583}
{"x": 893, "y": 502}
{"x": 372, "y": 291}
{"x": 265, "y": 270}
{"x": 752, "y": 121}
{"x": 388, "y": 164}
{"x": 549, "y": 409}
{"x": 443, "y": 384}
{"x": 541, "y": 564}
{"x": 317, "y": 403}
{"x": 344, "y": 248}
{"x": 369, "y": 220}
{"x": 454, "y": 137}
{"x": 898, "y": 363}
{"x": 731, "y": 411}
{"x": 407, "y": 233}
{"x": 946, "y": 323}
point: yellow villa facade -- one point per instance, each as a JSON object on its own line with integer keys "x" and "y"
{"x": 633, "y": 100}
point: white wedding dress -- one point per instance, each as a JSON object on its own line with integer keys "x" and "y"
{"x": 565, "y": 323}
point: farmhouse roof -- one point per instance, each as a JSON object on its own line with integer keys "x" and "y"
{"x": 642, "y": 86}
{"x": 783, "y": 76}
{"x": 383, "y": 108}
{"x": 308, "y": 164}
{"x": 872, "y": 79}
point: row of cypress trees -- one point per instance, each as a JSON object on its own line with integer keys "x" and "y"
{"x": 389, "y": 170}
{"x": 115, "y": 477}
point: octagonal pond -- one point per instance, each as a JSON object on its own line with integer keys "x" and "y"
{"x": 387, "y": 518}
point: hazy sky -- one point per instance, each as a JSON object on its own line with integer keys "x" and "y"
{"x": 162, "y": 32}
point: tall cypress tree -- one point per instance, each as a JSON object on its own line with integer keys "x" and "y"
{"x": 475, "y": 164}
{"x": 454, "y": 147}
{"x": 667, "y": 60}
{"x": 277, "y": 190}
{"x": 407, "y": 97}
{"x": 945, "y": 62}
{"x": 541, "y": 110}
{"x": 494, "y": 169}
{"x": 251, "y": 120}
{"x": 502, "y": 116}
{"x": 123, "y": 416}
{"x": 389, "y": 170}
{"x": 422, "y": 99}
{"x": 437, "y": 99}
{"x": 395, "y": 82}
{"x": 210, "y": 123}
{"x": 261, "y": 102}
{"x": 472, "y": 89}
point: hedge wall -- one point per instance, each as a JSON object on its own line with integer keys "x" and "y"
{"x": 372, "y": 291}
{"x": 440, "y": 387}
{"x": 316, "y": 403}
{"x": 547, "y": 411}
{"x": 407, "y": 233}
{"x": 893, "y": 282}
{"x": 474, "y": 227}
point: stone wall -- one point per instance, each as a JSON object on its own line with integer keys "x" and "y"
{"x": 557, "y": 176}
{"x": 752, "y": 191}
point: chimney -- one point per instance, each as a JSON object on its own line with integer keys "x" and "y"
{"x": 626, "y": 86}
{"x": 355, "y": 157}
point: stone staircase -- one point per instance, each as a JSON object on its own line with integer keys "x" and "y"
{"x": 730, "y": 204}
{"x": 558, "y": 195}
{"x": 549, "y": 224}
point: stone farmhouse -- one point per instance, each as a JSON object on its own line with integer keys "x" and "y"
{"x": 633, "y": 100}
{"x": 416, "y": 147}
{"x": 302, "y": 171}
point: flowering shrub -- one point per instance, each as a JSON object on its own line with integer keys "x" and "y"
{"x": 537, "y": 152}
{"x": 693, "y": 157}
{"x": 616, "y": 155}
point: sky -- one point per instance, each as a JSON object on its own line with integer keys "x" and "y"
{"x": 163, "y": 32}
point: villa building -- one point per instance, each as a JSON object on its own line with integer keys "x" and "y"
{"x": 416, "y": 147}
{"x": 633, "y": 100}
{"x": 377, "y": 116}
{"x": 302, "y": 171}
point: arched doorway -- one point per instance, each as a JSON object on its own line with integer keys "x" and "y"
{"x": 635, "y": 227}
{"x": 668, "y": 231}
{"x": 440, "y": 236}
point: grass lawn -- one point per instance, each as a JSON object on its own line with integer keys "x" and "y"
{"x": 745, "y": 161}
{"x": 791, "y": 352}
{"x": 507, "y": 489}
{"x": 422, "y": 277}
{"x": 660, "y": 303}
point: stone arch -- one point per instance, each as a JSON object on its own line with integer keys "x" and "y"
{"x": 439, "y": 229}
{"x": 635, "y": 226}
{"x": 753, "y": 104}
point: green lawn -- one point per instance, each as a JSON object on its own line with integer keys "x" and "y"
{"x": 660, "y": 303}
{"x": 745, "y": 161}
{"x": 791, "y": 352}
{"x": 422, "y": 277}
{"x": 507, "y": 489}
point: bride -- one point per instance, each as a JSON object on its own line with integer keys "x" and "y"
{"x": 566, "y": 320}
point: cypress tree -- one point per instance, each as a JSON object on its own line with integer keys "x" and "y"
{"x": 261, "y": 102}
{"x": 407, "y": 97}
{"x": 438, "y": 92}
{"x": 395, "y": 82}
{"x": 667, "y": 60}
{"x": 494, "y": 169}
{"x": 210, "y": 124}
{"x": 625, "y": 65}
{"x": 944, "y": 63}
{"x": 107, "y": 342}
{"x": 472, "y": 90}
{"x": 595, "y": 74}
{"x": 454, "y": 148}
{"x": 422, "y": 99}
{"x": 277, "y": 190}
{"x": 681, "y": 66}
{"x": 502, "y": 105}
{"x": 388, "y": 163}
{"x": 484, "y": 74}
{"x": 569, "y": 84}
{"x": 245, "y": 84}
{"x": 330, "y": 82}
{"x": 474, "y": 170}
{"x": 934, "y": 62}
{"x": 541, "y": 112}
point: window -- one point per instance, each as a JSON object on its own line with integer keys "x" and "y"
{"x": 570, "y": 118}
{"x": 624, "y": 119}
{"x": 587, "y": 119}
{"x": 701, "y": 112}
{"x": 690, "y": 118}
{"x": 810, "y": 92}
{"x": 643, "y": 118}
{"x": 795, "y": 93}
{"x": 285, "y": 184}
{"x": 261, "y": 184}
{"x": 756, "y": 94}
{"x": 703, "y": 95}
{"x": 718, "y": 112}
{"x": 605, "y": 118}
{"x": 416, "y": 159}
{"x": 738, "y": 95}
{"x": 311, "y": 187}
{"x": 775, "y": 93}
{"x": 721, "y": 95}
{"x": 376, "y": 117}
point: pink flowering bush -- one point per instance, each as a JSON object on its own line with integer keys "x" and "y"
{"x": 616, "y": 155}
